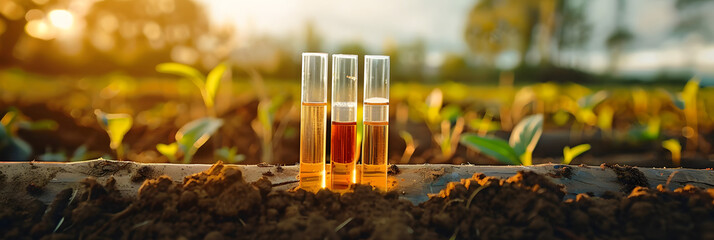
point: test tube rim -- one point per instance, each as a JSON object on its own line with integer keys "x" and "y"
{"x": 340, "y": 55}
{"x": 308, "y": 54}
{"x": 377, "y": 56}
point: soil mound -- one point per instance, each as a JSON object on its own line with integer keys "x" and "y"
{"x": 219, "y": 204}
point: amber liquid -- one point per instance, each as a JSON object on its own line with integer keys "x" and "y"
{"x": 374, "y": 154}
{"x": 312, "y": 146}
{"x": 342, "y": 155}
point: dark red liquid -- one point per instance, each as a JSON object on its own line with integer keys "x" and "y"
{"x": 342, "y": 146}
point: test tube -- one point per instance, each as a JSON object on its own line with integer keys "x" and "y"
{"x": 376, "y": 121}
{"x": 312, "y": 121}
{"x": 344, "y": 121}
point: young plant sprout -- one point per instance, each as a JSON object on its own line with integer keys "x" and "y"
{"x": 519, "y": 148}
{"x": 312, "y": 121}
{"x": 344, "y": 122}
{"x": 376, "y": 121}
{"x": 208, "y": 85}
{"x": 190, "y": 138}
{"x": 116, "y": 125}
{"x": 675, "y": 148}
{"x": 571, "y": 153}
{"x": 12, "y": 147}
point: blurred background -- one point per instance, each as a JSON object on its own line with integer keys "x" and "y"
{"x": 629, "y": 79}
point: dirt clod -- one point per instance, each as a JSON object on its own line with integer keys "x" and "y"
{"x": 393, "y": 170}
{"x": 561, "y": 172}
{"x": 142, "y": 174}
{"x": 629, "y": 177}
{"x": 34, "y": 189}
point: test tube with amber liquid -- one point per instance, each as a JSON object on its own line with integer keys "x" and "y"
{"x": 376, "y": 121}
{"x": 313, "y": 121}
{"x": 344, "y": 122}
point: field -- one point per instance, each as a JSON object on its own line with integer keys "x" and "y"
{"x": 643, "y": 125}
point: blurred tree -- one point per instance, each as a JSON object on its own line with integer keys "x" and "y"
{"x": 407, "y": 60}
{"x": 693, "y": 25}
{"x": 453, "y": 67}
{"x": 496, "y": 26}
{"x": 574, "y": 31}
{"x": 618, "y": 38}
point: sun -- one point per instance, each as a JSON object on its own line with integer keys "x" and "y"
{"x": 61, "y": 19}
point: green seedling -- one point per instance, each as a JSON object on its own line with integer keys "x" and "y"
{"x": 675, "y": 148}
{"x": 687, "y": 102}
{"x": 79, "y": 154}
{"x": 519, "y": 148}
{"x": 584, "y": 113}
{"x": 116, "y": 125}
{"x": 646, "y": 133}
{"x": 11, "y": 146}
{"x": 445, "y": 123}
{"x": 484, "y": 125}
{"x": 229, "y": 155}
{"x": 571, "y": 153}
{"x": 207, "y": 85}
{"x": 263, "y": 125}
{"x": 190, "y": 138}
{"x": 410, "y": 144}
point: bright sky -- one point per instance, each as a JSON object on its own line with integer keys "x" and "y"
{"x": 441, "y": 23}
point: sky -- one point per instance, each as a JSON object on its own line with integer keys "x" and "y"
{"x": 441, "y": 23}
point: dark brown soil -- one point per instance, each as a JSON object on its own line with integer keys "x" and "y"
{"x": 628, "y": 176}
{"x": 219, "y": 204}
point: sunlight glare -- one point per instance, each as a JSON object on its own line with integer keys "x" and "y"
{"x": 61, "y": 19}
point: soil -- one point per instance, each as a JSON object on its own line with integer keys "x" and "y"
{"x": 219, "y": 204}
{"x": 628, "y": 176}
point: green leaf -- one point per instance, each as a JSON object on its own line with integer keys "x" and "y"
{"x": 433, "y": 103}
{"x": 194, "y": 134}
{"x": 672, "y": 145}
{"x": 571, "y": 153}
{"x": 592, "y": 100}
{"x": 184, "y": 71}
{"x": 229, "y": 155}
{"x": 45, "y": 124}
{"x": 169, "y": 150}
{"x": 689, "y": 94}
{"x": 491, "y": 146}
{"x": 116, "y": 125}
{"x": 450, "y": 113}
{"x": 676, "y": 100}
{"x": 214, "y": 79}
{"x": 79, "y": 154}
{"x": 179, "y": 70}
{"x": 526, "y": 134}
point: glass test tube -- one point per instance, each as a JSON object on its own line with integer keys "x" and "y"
{"x": 312, "y": 121}
{"x": 344, "y": 121}
{"x": 376, "y": 121}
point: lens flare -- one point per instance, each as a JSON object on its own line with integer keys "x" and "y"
{"x": 61, "y": 19}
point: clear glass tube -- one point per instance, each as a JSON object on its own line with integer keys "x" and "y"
{"x": 313, "y": 121}
{"x": 376, "y": 121}
{"x": 344, "y": 121}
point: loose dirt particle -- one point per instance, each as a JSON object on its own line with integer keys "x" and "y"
{"x": 393, "y": 170}
{"x": 561, "y": 172}
{"x": 142, "y": 174}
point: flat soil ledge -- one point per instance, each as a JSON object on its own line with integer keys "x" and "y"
{"x": 123, "y": 200}
{"x": 43, "y": 180}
